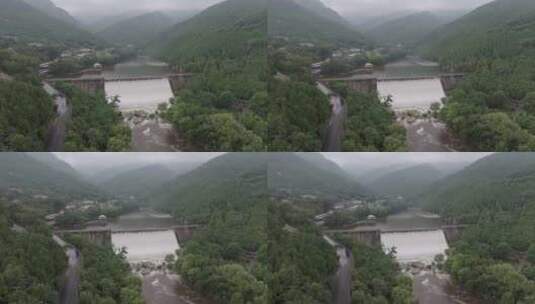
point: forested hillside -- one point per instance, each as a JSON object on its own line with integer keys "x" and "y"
{"x": 501, "y": 28}
{"x": 224, "y": 107}
{"x": 500, "y": 180}
{"x": 492, "y": 110}
{"x": 139, "y": 30}
{"x": 25, "y": 276}
{"x": 49, "y": 8}
{"x": 233, "y": 177}
{"x": 408, "y": 182}
{"x": 495, "y": 197}
{"x": 32, "y": 174}
{"x": 228, "y": 30}
{"x": 302, "y": 174}
{"x": 310, "y": 21}
{"x": 138, "y": 183}
{"x": 19, "y": 19}
{"x": 407, "y": 30}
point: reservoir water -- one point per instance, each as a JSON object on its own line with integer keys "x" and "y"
{"x": 141, "y": 66}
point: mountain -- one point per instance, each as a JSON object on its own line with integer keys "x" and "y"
{"x": 310, "y": 22}
{"x": 407, "y": 30}
{"x": 49, "y": 8}
{"x": 36, "y": 173}
{"x": 407, "y": 182}
{"x": 502, "y": 181}
{"x": 233, "y": 178}
{"x": 230, "y": 29}
{"x": 17, "y": 18}
{"x": 312, "y": 174}
{"x": 320, "y": 9}
{"x": 138, "y": 182}
{"x": 502, "y": 27}
{"x": 137, "y": 30}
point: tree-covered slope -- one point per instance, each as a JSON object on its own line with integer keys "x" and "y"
{"x": 233, "y": 177}
{"x": 41, "y": 174}
{"x": 137, "y": 30}
{"x": 49, "y": 8}
{"x": 407, "y": 30}
{"x": 500, "y": 28}
{"x": 503, "y": 181}
{"x": 21, "y": 20}
{"x": 320, "y": 9}
{"x": 407, "y": 182}
{"x": 299, "y": 22}
{"x": 312, "y": 174}
{"x": 231, "y": 29}
{"x": 138, "y": 182}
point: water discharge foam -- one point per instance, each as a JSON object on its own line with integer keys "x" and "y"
{"x": 417, "y": 94}
{"x": 143, "y": 95}
{"x": 146, "y": 246}
{"x": 420, "y": 246}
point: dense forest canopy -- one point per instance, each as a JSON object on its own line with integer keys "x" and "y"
{"x": 224, "y": 106}
{"x": 492, "y": 109}
{"x": 495, "y": 197}
{"x": 31, "y": 261}
{"x": 25, "y": 22}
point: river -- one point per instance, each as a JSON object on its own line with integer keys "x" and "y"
{"x": 419, "y": 248}
{"x": 58, "y": 128}
{"x": 160, "y": 286}
{"x": 335, "y": 129}
{"x": 140, "y": 98}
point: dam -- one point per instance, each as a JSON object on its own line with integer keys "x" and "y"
{"x": 139, "y": 95}
{"x": 415, "y": 246}
{"x": 151, "y": 246}
{"x": 412, "y": 94}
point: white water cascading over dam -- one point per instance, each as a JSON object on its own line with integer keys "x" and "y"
{"x": 151, "y": 246}
{"x": 143, "y": 95}
{"x": 417, "y": 94}
{"x": 415, "y": 246}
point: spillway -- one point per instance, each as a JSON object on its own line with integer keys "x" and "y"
{"x": 420, "y": 246}
{"x": 417, "y": 94}
{"x": 151, "y": 246}
{"x": 143, "y": 95}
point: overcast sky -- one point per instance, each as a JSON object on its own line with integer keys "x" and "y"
{"x": 118, "y": 7}
{"x": 91, "y": 161}
{"x": 368, "y": 160}
{"x": 383, "y": 7}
